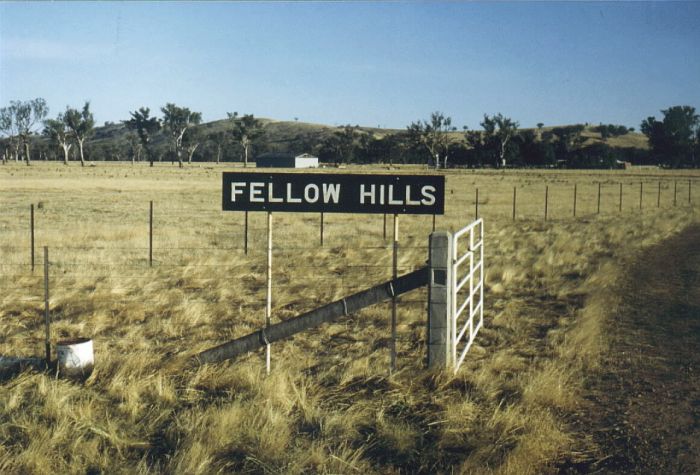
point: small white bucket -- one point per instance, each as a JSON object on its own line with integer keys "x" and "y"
{"x": 75, "y": 357}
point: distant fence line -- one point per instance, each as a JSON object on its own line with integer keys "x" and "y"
{"x": 643, "y": 195}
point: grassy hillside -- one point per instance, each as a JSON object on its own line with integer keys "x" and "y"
{"x": 281, "y": 132}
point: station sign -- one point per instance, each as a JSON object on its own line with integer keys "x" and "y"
{"x": 334, "y": 193}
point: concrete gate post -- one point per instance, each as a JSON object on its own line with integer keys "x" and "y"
{"x": 440, "y": 300}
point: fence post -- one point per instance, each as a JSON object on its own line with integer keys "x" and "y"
{"x": 675, "y": 189}
{"x": 620, "y": 208}
{"x": 321, "y": 228}
{"x": 575, "y": 188}
{"x": 440, "y": 300}
{"x": 31, "y": 232}
{"x": 641, "y": 193}
{"x": 546, "y": 200}
{"x": 658, "y": 197}
{"x": 476, "y": 205}
{"x": 384, "y": 233}
{"x": 433, "y": 223}
{"x": 268, "y": 305}
{"x": 598, "y": 209}
{"x": 689, "y": 186}
{"x": 514, "y": 188}
{"x": 394, "y": 276}
{"x": 47, "y": 318}
{"x": 150, "y": 235}
{"x": 245, "y": 234}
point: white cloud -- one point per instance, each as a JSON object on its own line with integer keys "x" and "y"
{"x": 46, "y": 50}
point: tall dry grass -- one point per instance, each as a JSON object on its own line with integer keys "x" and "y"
{"x": 329, "y": 405}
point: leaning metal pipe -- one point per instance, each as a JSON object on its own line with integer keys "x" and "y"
{"x": 327, "y": 313}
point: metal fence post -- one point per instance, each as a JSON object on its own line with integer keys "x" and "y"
{"x": 47, "y": 318}
{"x": 245, "y": 234}
{"x": 476, "y": 205}
{"x": 31, "y": 231}
{"x": 321, "y": 228}
{"x": 150, "y": 235}
{"x": 598, "y": 209}
{"x": 440, "y": 300}
{"x": 514, "y": 194}
{"x": 546, "y": 200}
{"x": 575, "y": 187}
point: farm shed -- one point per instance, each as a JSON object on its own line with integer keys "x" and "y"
{"x": 286, "y": 160}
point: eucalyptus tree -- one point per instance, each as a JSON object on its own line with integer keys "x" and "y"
{"x": 26, "y": 114}
{"x": 219, "y": 140}
{"x": 191, "y": 142}
{"x": 82, "y": 124}
{"x": 246, "y": 130}
{"x": 675, "y": 140}
{"x": 499, "y": 131}
{"x": 146, "y": 127}
{"x": 59, "y": 133}
{"x": 7, "y": 128}
{"x": 433, "y": 135}
{"x": 134, "y": 147}
{"x": 176, "y": 121}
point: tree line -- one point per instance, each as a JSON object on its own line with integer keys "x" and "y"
{"x": 179, "y": 135}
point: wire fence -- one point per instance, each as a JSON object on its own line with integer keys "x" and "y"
{"x": 122, "y": 250}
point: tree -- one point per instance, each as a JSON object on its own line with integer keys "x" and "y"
{"x": 59, "y": 133}
{"x": 499, "y": 131}
{"x": 610, "y": 130}
{"x": 134, "y": 147}
{"x": 245, "y": 130}
{"x": 26, "y": 115}
{"x": 569, "y": 138}
{"x": 533, "y": 152}
{"x": 81, "y": 124}
{"x": 345, "y": 143}
{"x": 7, "y": 127}
{"x": 177, "y": 120}
{"x": 145, "y": 126}
{"x": 191, "y": 142}
{"x": 433, "y": 136}
{"x": 219, "y": 141}
{"x": 539, "y": 129}
{"x": 674, "y": 141}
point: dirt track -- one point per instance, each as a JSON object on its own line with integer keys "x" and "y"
{"x": 644, "y": 406}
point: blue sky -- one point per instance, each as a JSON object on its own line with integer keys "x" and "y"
{"x": 366, "y": 63}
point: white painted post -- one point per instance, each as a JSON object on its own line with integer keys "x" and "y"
{"x": 268, "y": 306}
{"x": 440, "y": 300}
{"x": 394, "y": 275}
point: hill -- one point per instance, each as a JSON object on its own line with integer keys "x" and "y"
{"x": 281, "y": 132}
{"x": 331, "y": 143}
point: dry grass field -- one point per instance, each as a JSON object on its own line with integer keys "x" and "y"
{"x": 329, "y": 405}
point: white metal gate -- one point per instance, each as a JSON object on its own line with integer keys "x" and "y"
{"x": 467, "y": 289}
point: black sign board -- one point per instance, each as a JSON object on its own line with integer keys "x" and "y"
{"x": 334, "y": 193}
